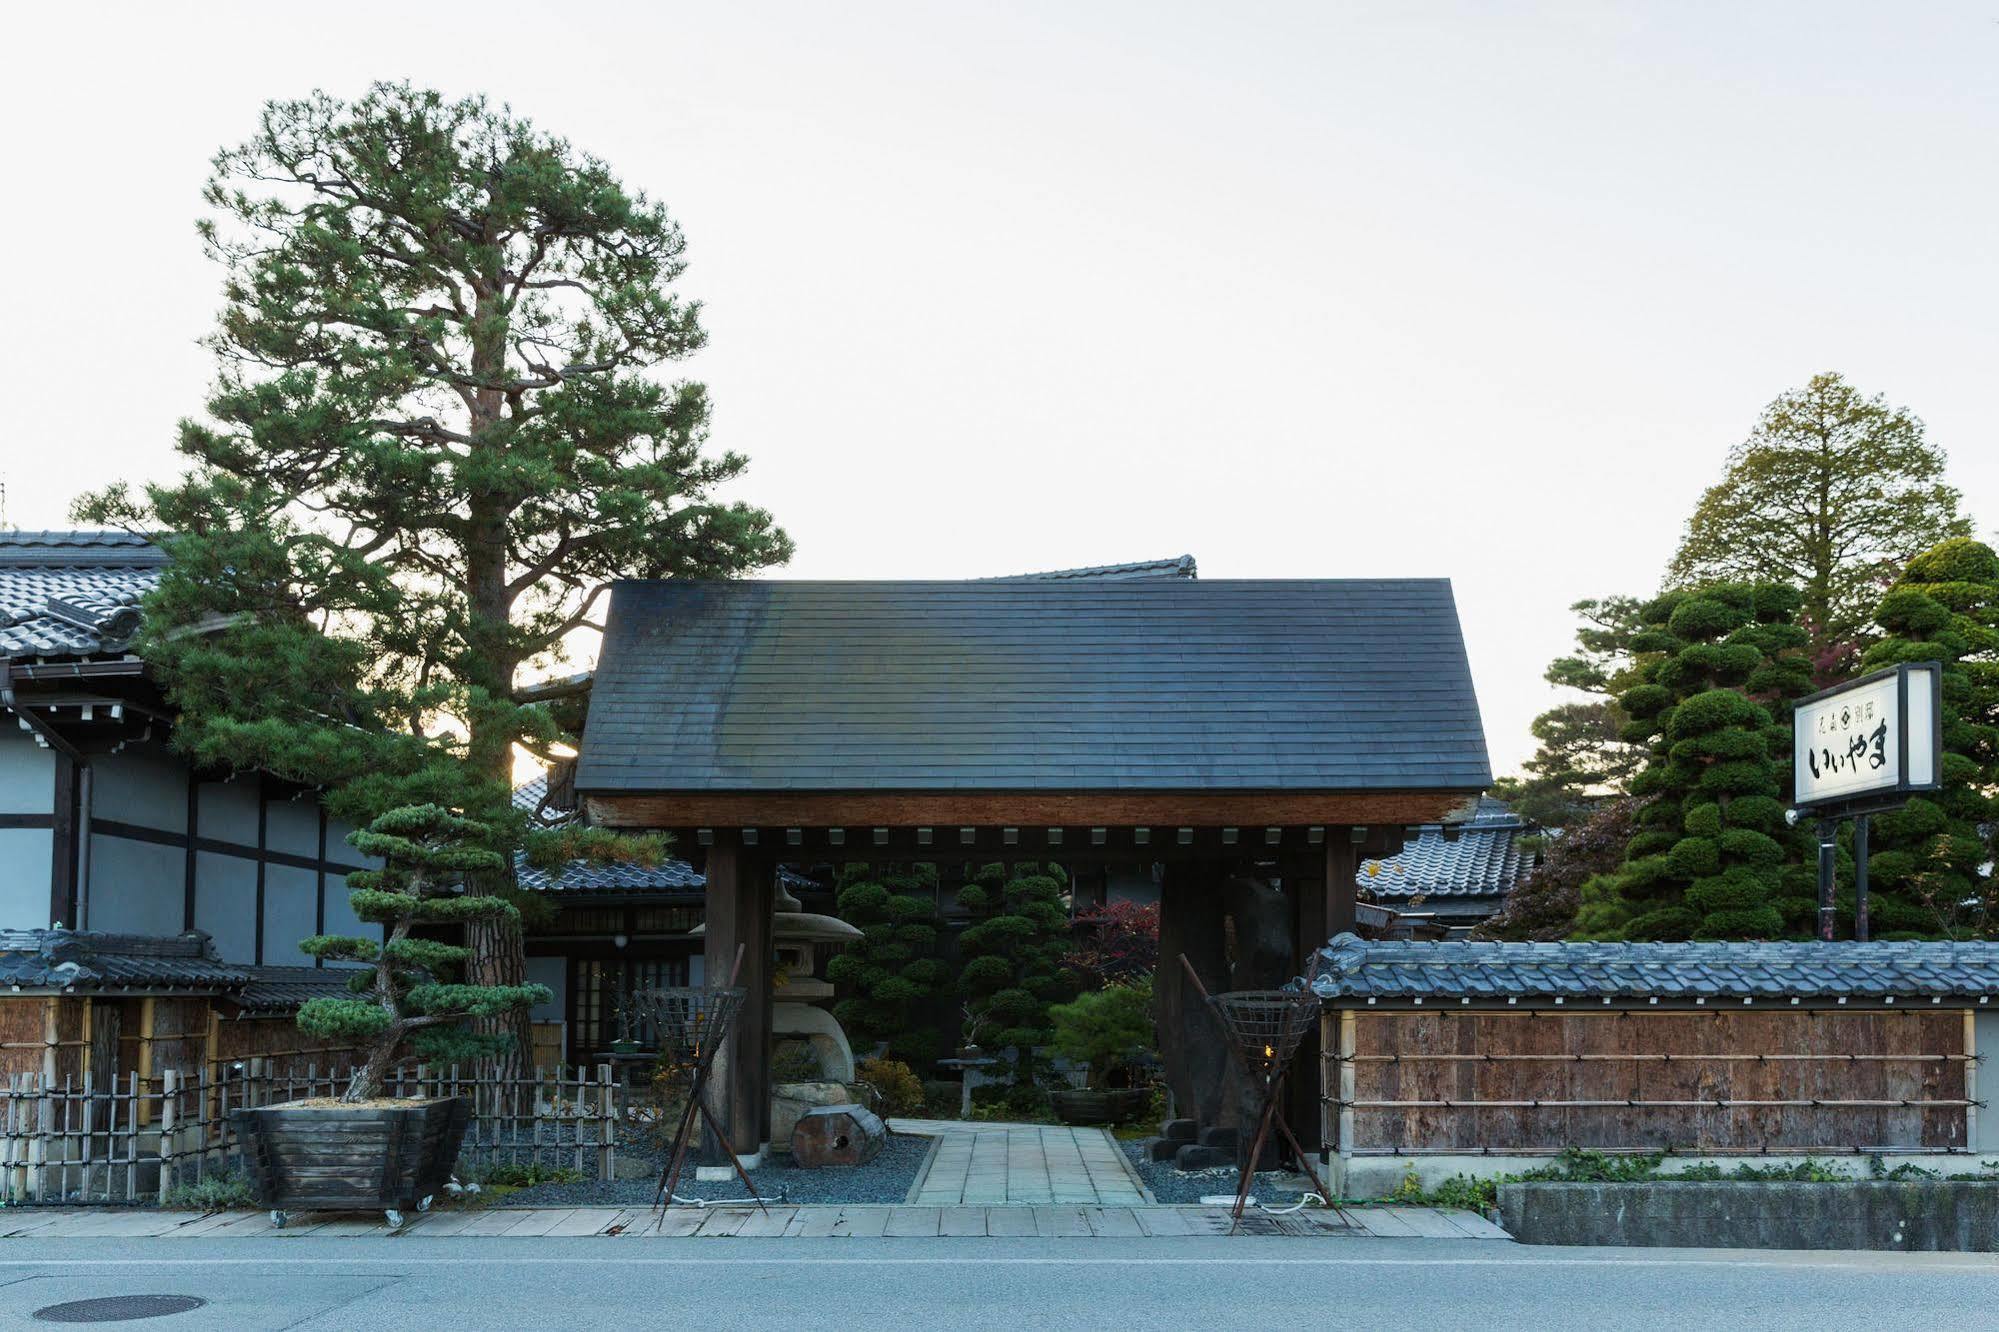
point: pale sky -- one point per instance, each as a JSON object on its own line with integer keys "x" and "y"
{"x": 1478, "y": 290}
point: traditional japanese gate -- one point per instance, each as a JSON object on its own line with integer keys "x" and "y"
{"x": 1211, "y": 729}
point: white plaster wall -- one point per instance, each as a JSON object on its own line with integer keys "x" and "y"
{"x": 290, "y": 908}
{"x": 146, "y": 786}
{"x": 554, "y": 973}
{"x": 340, "y": 917}
{"x": 135, "y": 887}
{"x": 225, "y": 903}
{"x": 27, "y": 772}
{"x": 229, "y": 811}
{"x": 292, "y": 826}
{"x": 24, "y": 877}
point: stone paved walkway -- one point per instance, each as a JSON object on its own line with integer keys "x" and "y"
{"x": 1032, "y": 1165}
{"x": 779, "y": 1222}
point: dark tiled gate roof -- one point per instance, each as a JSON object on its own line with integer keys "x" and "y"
{"x": 1353, "y": 968}
{"x": 1089, "y": 684}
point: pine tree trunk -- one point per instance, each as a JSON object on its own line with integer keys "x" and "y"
{"x": 497, "y": 956}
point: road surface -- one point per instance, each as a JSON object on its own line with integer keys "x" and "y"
{"x": 498, "y": 1283}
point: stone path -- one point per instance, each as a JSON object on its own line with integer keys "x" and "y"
{"x": 1031, "y": 1165}
{"x": 738, "y": 1222}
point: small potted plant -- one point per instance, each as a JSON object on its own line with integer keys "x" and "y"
{"x": 1104, "y": 1030}
{"x": 626, "y": 1043}
{"x": 366, "y": 1149}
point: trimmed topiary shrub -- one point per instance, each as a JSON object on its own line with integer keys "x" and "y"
{"x": 1712, "y": 707}
{"x": 892, "y": 975}
{"x": 1926, "y": 874}
{"x": 1014, "y": 954}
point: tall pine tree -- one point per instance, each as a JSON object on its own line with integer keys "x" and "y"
{"x": 1719, "y": 666}
{"x": 1930, "y": 870}
{"x": 436, "y": 435}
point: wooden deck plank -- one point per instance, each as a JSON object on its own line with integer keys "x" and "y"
{"x": 1117, "y": 1221}
{"x": 913, "y": 1222}
{"x": 722, "y": 1222}
{"x": 813, "y": 1223}
{"x": 1010, "y": 1221}
{"x": 767, "y": 1224}
{"x": 962, "y": 1221}
{"x": 578, "y": 1221}
{"x": 673, "y": 1223}
{"x": 443, "y": 1223}
{"x": 1161, "y": 1222}
{"x": 861, "y": 1222}
{"x": 1382, "y": 1223}
{"x": 1426, "y": 1222}
{"x": 539, "y": 1222}
{"x": 1475, "y": 1226}
{"x": 1060, "y": 1222}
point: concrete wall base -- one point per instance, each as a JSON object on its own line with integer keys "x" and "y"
{"x": 1378, "y": 1176}
{"x": 1924, "y": 1215}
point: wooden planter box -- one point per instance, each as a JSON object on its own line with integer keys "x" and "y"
{"x": 352, "y": 1158}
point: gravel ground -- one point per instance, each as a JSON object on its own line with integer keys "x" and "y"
{"x": 886, "y": 1179}
{"x": 1186, "y": 1186}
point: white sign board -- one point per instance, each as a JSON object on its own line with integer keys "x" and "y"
{"x": 1868, "y": 743}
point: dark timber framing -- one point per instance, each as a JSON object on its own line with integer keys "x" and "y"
{"x": 1231, "y": 731}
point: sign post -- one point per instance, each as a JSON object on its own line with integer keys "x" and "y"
{"x": 1861, "y": 748}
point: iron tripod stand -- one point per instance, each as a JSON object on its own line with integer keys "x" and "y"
{"x": 1264, "y": 1029}
{"x": 692, "y": 1025}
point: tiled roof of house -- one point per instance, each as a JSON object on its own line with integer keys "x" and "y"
{"x": 1034, "y": 684}
{"x": 97, "y": 962}
{"x": 1354, "y": 968}
{"x": 1483, "y": 858}
{"x": 1178, "y": 566}
{"x": 583, "y": 876}
{"x": 283, "y": 989}
{"x": 91, "y": 960}
{"x": 72, "y": 594}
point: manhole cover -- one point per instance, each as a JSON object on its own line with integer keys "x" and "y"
{"x": 118, "y": 1308}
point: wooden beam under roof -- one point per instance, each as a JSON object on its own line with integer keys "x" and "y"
{"x": 1026, "y": 809}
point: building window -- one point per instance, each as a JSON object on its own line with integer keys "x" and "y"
{"x": 600, "y": 986}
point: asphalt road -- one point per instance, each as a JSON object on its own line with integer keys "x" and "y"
{"x": 361, "y": 1284}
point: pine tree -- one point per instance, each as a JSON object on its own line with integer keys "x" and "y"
{"x": 428, "y": 855}
{"x": 1719, "y": 666}
{"x": 1014, "y": 954}
{"x": 892, "y": 973}
{"x": 1830, "y": 493}
{"x": 1929, "y": 872}
{"x": 435, "y": 438}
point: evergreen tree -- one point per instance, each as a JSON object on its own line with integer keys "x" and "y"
{"x": 1929, "y": 873}
{"x": 1719, "y": 666}
{"x": 1014, "y": 953}
{"x": 892, "y": 973}
{"x": 428, "y": 856}
{"x": 1582, "y": 756}
{"x": 434, "y": 440}
{"x": 1830, "y": 493}
{"x": 1543, "y": 906}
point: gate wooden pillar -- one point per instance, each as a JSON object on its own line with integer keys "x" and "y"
{"x": 1191, "y": 916}
{"x": 1323, "y": 897}
{"x": 740, "y": 898}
